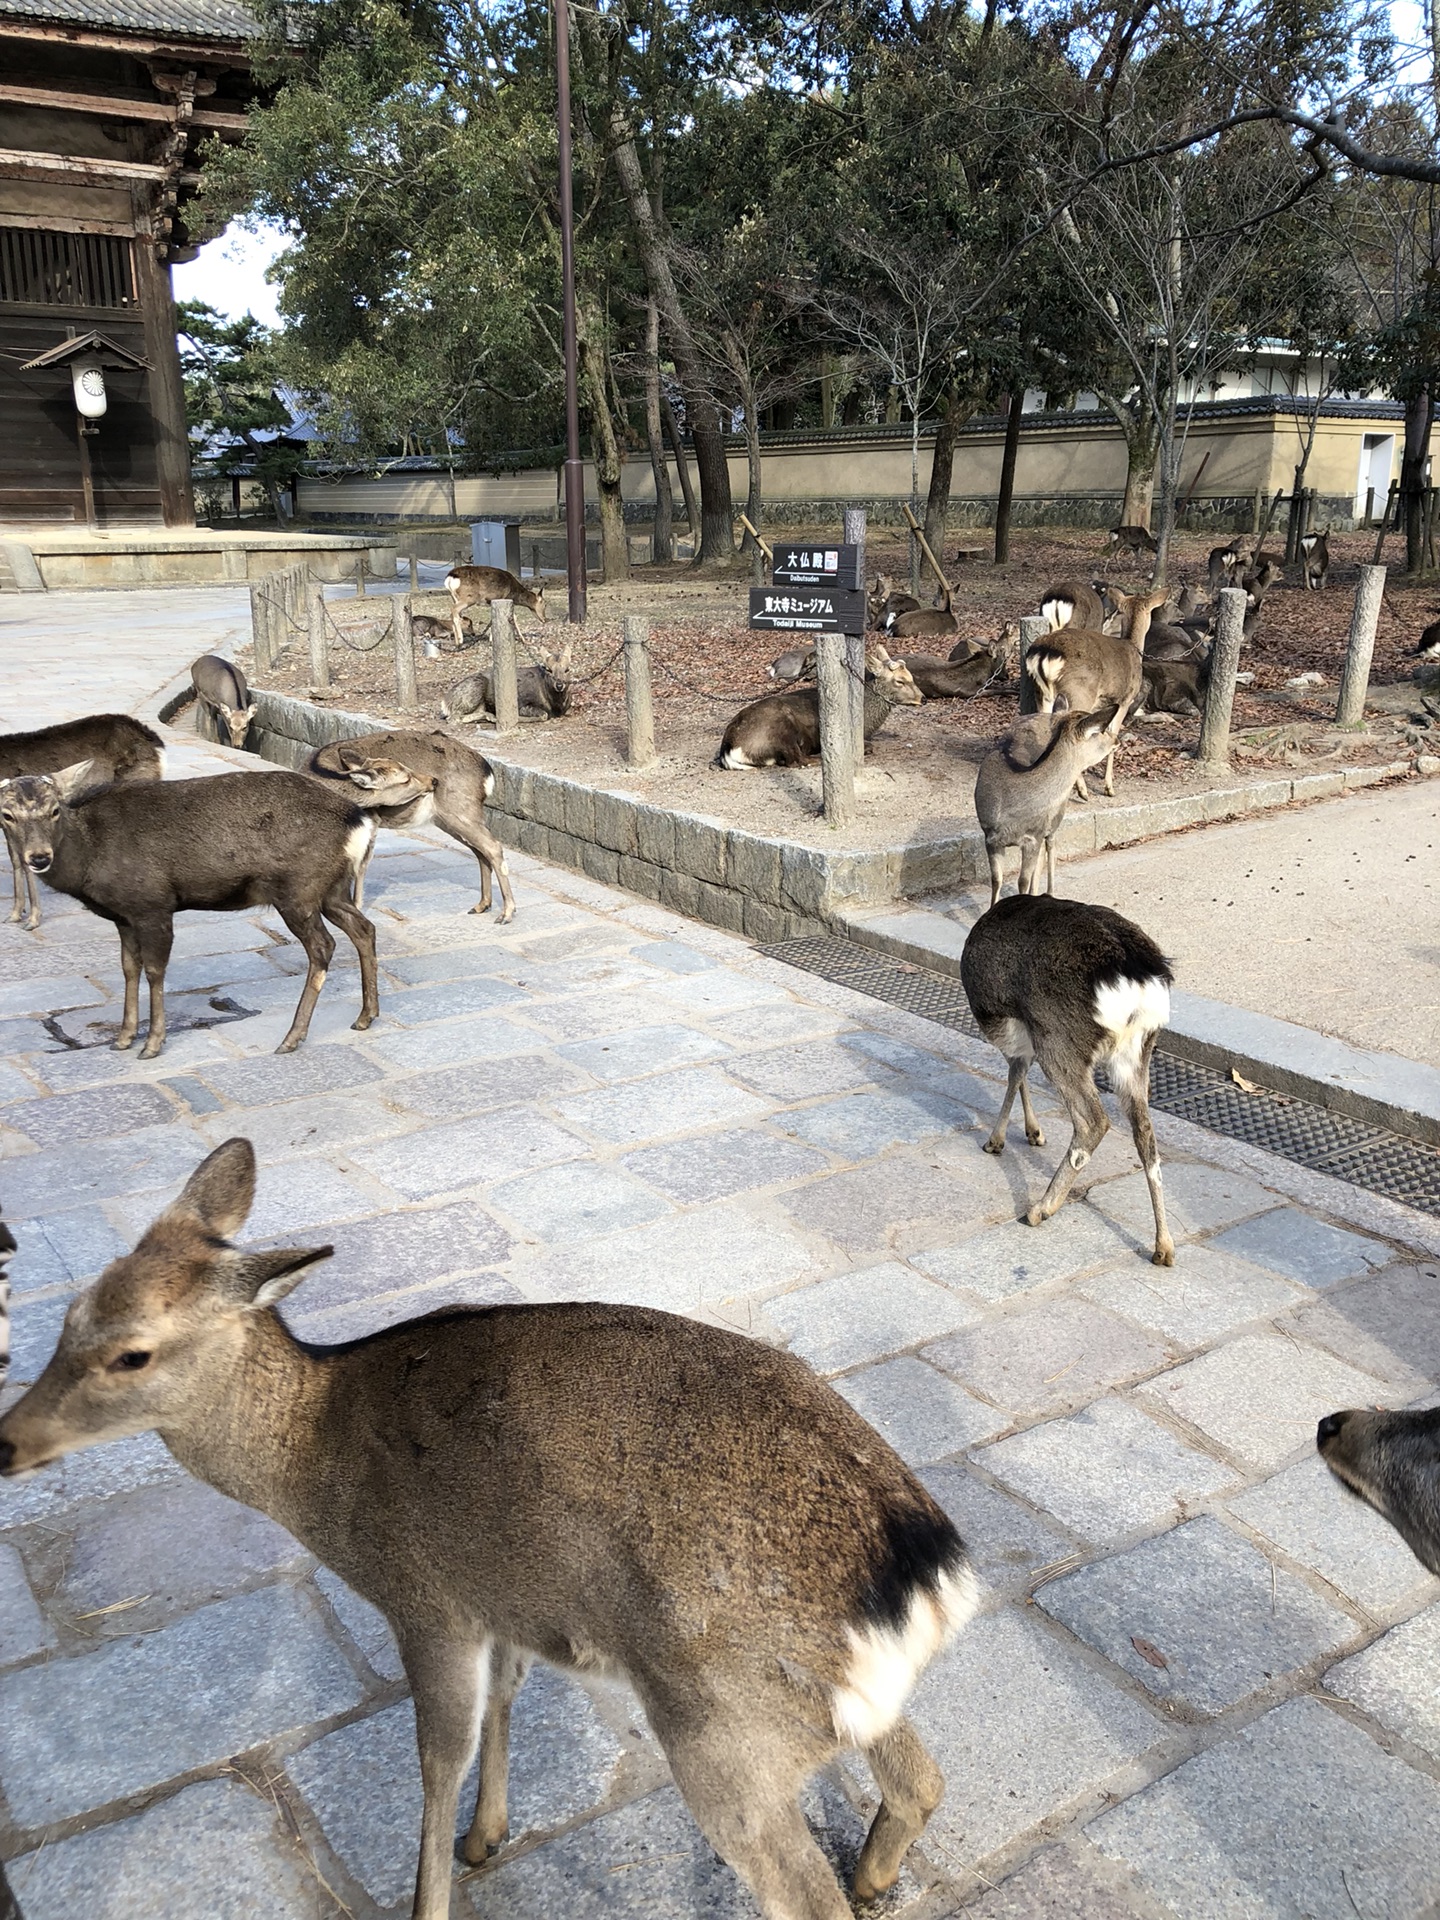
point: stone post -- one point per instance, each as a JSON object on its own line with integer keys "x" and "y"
{"x": 504, "y": 695}
{"x": 639, "y": 706}
{"x": 1364, "y": 620}
{"x": 837, "y": 733}
{"x": 1214, "y": 748}
{"x": 407, "y": 692}
{"x": 315, "y": 618}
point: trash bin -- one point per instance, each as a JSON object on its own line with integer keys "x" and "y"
{"x": 496, "y": 543}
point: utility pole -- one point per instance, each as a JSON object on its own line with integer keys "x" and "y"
{"x": 574, "y": 471}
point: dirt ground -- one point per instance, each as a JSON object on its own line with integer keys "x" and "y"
{"x": 919, "y": 770}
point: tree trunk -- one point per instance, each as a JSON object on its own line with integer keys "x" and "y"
{"x": 604, "y": 447}
{"x": 662, "y": 539}
{"x": 682, "y": 462}
{"x": 1142, "y": 452}
{"x": 717, "y": 532}
{"x": 1005, "y": 498}
{"x": 1419, "y": 413}
{"x": 942, "y": 472}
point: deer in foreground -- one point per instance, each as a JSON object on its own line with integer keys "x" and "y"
{"x": 542, "y": 688}
{"x": 117, "y": 748}
{"x": 1024, "y": 783}
{"x": 610, "y": 1488}
{"x": 1391, "y": 1461}
{"x": 478, "y": 586}
{"x": 139, "y": 855}
{"x": 1078, "y": 669}
{"x": 444, "y": 781}
{"x": 783, "y": 729}
{"x": 1072, "y": 986}
{"x": 224, "y": 698}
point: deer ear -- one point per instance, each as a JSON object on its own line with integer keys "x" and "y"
{"x": 221, "y": 1191}
{"x": 251, "y": 711}
{"x": 71, "y": 782}
{"x": 262, "y": 1279}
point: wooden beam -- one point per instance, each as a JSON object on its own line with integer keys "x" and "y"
{"x": 17, "y": 164}
{"x": 223, "y": 56}
{"x": 119, "y": 106}
{"x": 66, "y": 223}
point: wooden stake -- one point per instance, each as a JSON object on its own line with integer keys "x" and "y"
{"x": 919, "y": 534}
{"x": 755, "y": 536}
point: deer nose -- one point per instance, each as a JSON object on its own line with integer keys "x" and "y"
{"x": 7, "y": 1455}
{"x": 38, "y": 862}
{"x": 1329, "y": 1429}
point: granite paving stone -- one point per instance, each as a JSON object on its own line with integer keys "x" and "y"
{"x": 1388, "y": 1323}
{"x": 1204, "y": 1296}
{"x": 775, "y": 1024}
{"x": 363, "y": 1781}
{"x": 1224, "y": 1620}
{"x": 71, "y": 1176}
{"x": 51, "y": 994}
{"x": 77, "y": 1733}
{"x": 1015, "y": 1258}
{"x": 644, "y": 1050}
{"x": 217, "y": 1848}
{"x": 1006, "y": 1542}
{"x": 682, "y": 1263}
{"x": 865, "y": 1314}
{"x": 1260, "y": 1396}
{"x": 1298, "y": 1815}
{"x": 1311, "y": 1517}
{"x": 364, "y": 1623}
{"x": 399, "y": 1250}
{"x": 35, "y": 1323}
{"x": 449, "y": 963}
{"x": 322, "y": 1124}
{"x": 452, "y": 1043}
{"x": 1396, "y": 1681}
{"x": 666, "y": 1103}
{"x": 674, "y": 956}
{"x": 469, "y": 1153}
{"x": 24, "y": 1630}
{"x": 717, "y": 1166}
{"x": 923, "y": 1415}
{"x": 805, "y": 1071}
{"x": 574, "y": 1201}
{"x": 884, "y": 1208}
{"x": 369, "y": 1316}
{"x": 99, "y": 1473}
{"x": 56, "y": 1247}
{"x": 13, "y": 1087}
{"x": 864, "y": 1124}
{"x": 288, "y": 1076}
{"x": 1311, "y": 1250}
{"x": 1105, "y": 1471}
{"x": 67, "y": 1118}
{"x": 1061, "y": 1351}
{"x": 1063, "y": 1883}
{"x": 1004, "y": 1769}
{"x": 457, "y": 1092}
{"x": 449, "y": 999}
{"x": 297, "y": 1195}
{"x": 1197, "y": 1200}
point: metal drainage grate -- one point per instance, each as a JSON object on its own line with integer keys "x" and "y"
{"x": 1367, "y": 1156}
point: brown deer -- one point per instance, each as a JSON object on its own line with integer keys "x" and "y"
{"x": 1071, "y": 603}
{"x": 116, "y": 748}
{"x": 138, "y": 855}
{"x": 886, "y": 602}
{"x": 223, "y": 697}
{"x": 1078, "y": 669}
{"x": 478, "y": 586}
{"x": 542, "y": 688}
{"x": 1023, "y": 785}
{"x": 451, "y": 785}
{"x": 614, "y": 1489}
{"x": 1139, "y": 539}
{"x": 783, "y": 729}
{"x": 1315, "y": 557}
{"x": 923, "y": 623}
{"x": 952, "y": 679}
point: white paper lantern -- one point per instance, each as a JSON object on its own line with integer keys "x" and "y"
{"x": 88, "y": 380}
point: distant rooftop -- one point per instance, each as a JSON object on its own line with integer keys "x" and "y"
{"x": 191, "y": 19}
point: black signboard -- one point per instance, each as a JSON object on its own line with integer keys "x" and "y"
{"x": 797, "y": 563}
{"x": 784, "y": 608}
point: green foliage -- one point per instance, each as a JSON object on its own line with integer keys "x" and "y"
{"x": 229, "y": 370}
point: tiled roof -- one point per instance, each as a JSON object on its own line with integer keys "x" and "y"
{"x": 188, "y": 19}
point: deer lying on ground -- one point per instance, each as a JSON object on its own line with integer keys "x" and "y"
{"x": 1078, "y": 669}
{"x": 117, "y": 750}
{"x": 783, "y": 729}
{"x": 952, "y": 679}
{"x": 1072, "y": 986}
{"x": 451, "y": 785}
{"x": 886, "y": 602}
{"x": 612, "y": 1489}
{"x": 478, "y": 586}
{"x": 923, "y": 623}
{"x": 796, "y": 663}
{"x": 1173, "y": 686}
{"x": 1024, "y": 783}
{"x": 223, "y": 698}
{"x": 138, "y": 855}
{"x": 1138, "y": 539}
{"x": 1391, "y": 1461}
{"x": 1427, "y": 647}
{"x": 1315, "y": 557}
{"x": 542, "y": 688}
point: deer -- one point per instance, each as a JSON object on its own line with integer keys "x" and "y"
{"x": 952, "y": 679}
{"x": 1072, "y": 986}
{"x": 1138, "y": 539}
{"x": 1173, "y": 686}
{"x": 1080, "y": 669}
{"x": 922, "y": 623}
{"x": 783, "y": 729}
{"x": 223, "y": 698}
{"x": 138, "y": 855}
{"x": 8, "y": 1250}
{"x": 447, "y": 782}
{"x": 1223, "y": 565}
{"x": 1070, "y": 603}
{"x": 117, "y": 749}
{"x": 1315, "y": 558}
{"x": 1023, "y": 785}
{"x": 542, "y": 688}
{"x": 610, "y": 1488}
{"x": 1391, "y": 1461}
{"x": 885, "y": 602}
{"x": 796, "y": 663}
{"x": 478, "y": 586}
{"x": 1427, "y": 647}
{"x": 1266, "y": 570}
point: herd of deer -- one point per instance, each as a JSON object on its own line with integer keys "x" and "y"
{"x": 616, "y": 1490}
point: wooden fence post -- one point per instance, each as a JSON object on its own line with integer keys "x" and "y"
{"x": 1385, "y": 519}
{"x": 639, "y": 706}
{"x": 1364, "y": 620}
{"x": 837, "y": 734}
{"x": 1032, "y": 628}
{"x": 407, "y": 691}
{"x": 503, "y": 692}
{"x": 315, "y": 618}
{"x": 259, "y": 629}
{"x": 414, "y": 559}
{"x": 854, "y": 525}
{"x": 1214, "y": 748}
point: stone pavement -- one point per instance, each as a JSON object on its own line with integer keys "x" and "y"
{"x": 1202, "y": 1683}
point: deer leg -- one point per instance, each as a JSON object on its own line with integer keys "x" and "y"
{"x": 1018, "y": 1070}
{"x": 1087, "y": 1117}
{"x": 1029, "y": 854}
{"x": 155, "y": 944}
{"x": 346, "y": 915}
{"x": 130, "y": 964}
{"x": 997, "y": 875}
{"x": 1109, "y": 773}
{"x": 464, "y": 825}
{"x": 1050, "y": 863}
{"x": 1134, "y": 1097}
{"x": 911, "y": 1787}
{"x": 491, "y": 1826}
{"x": 449, "y": 1682}
{"x": 1032, "y": 1125}
{"x": 32, "y": 894}
{"x": 16, "y": 869}
{"x": 314, "y": 936}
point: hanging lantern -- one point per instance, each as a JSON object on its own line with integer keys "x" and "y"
{"x": 87, "y": 377}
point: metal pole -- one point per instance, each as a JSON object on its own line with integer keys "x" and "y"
{"x": 1364, "y": 620}
{"x": 1214, "y": 748}
{"x": 574, "y": 471}
{"x": 1032, "y": 628}
{"x": 319, "y": 641}
{"x": 639, "y": 707}
{"x": 854, "y": 533}
{"x": 837, "y": 767}
{"x": 407, "y": 692}
{"x": 504, "y": 695}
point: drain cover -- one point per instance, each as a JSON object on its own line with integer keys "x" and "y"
{"x": 1367, "y": 1156}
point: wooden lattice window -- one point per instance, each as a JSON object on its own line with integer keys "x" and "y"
{"x": 49, "y": 269}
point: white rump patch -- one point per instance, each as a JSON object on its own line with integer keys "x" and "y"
{"x": 489, "y": 785}
{"x": 885, "y": 1662}
{"x": 1057, "y": 612}
{"x": 359, "y": 841}
{"x": 1011, "y": 1037}
{"x": 1129, "y": 1011}
{"x": 452, "y": 583}
{"x": 734, "y": 758}
{"x": 160, "y": 761}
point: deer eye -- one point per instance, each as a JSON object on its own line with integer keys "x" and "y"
{"x": 130, "y": 1362}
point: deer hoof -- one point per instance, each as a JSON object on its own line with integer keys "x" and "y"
{"x": 360, "y": 1024}
{"x": 1163, "y": 1256}
{"x": 123, "y": 1042}
{"x": 482, "y": 907}
{"x": 1036, "y": 1217}
{"x": 289, "y": 1043}
{"x": 476, "y": 1851}
{"x": 1035, "y": 1137}
{"x": 867, "y": 1889}
{"x": 994, "y": 1146}
{"x": 507, "y": 916}
{"x": 152, "y": 1047}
